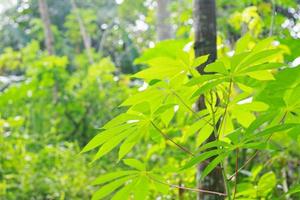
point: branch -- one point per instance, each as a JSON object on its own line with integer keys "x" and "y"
{"x": 256, "y": 152}
{"x": 197, "y": 115}
{"x": 171, "y": 140}
{"x": 190, "y": 189}
{"x": 236, "y": 172}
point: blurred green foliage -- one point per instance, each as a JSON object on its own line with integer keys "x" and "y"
{"x": 52, "y": 105}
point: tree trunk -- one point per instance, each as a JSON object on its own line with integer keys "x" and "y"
{"x": 206, "y": 43}
{"x": 84, "y": 34}
{"x": 164, "y": 29}
{"x": 49, "y": 39}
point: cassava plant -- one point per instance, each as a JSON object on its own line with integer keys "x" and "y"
{"x": 240, "y": 94}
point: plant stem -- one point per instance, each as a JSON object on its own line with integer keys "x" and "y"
{"x": 171, "y": 140}
{"x": 236, "y": 172}
{"x": 188, "y": 188}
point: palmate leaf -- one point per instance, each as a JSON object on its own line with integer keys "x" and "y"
{"x": 257, "y": 58}
{"x": 104, "y": 136}
{"x": 126, "y": 127}
{"x": 109, "y": 188}
{"x": 199, "y": 61}
{"x": 266, "y": 183}
{"x": 135, "y": 164}
{"x": 217, "y": 148}
{"x": 162, "y": 68}
{"x": 204, "y": 134}
{"x": 113, "y": 142}
{"x": 213, "y": 164}
{"x": 112, "y": 176}
{"x": 208, "y": 86}
{"x": 250, "y": 136}
{"x": 218, "y": 67}
{"x": 202, "y": 157}
{"x": 122, "y": 184}
{"x": 128, "y": 144}
{"x": 216, "y": 143}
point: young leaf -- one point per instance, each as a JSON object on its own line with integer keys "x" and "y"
{"x": 112, "y": 143}
{"x": 112, "y": 176}
{"x": 217, "y": 66}
{"x": 135, "y": 164}
{"x": 200, "y": 60}
{"x": 141, "y": 188}
{"x": 109, "y": 188}
{"x": 204, "y": 133}
{"x": 213, "y": 164}
{"x": 201, "y": 158}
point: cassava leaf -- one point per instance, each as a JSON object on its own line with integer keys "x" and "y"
{"x": 112, "y": 176}
{"x": 135, "y": 164}
{"x": 202, "y": 157}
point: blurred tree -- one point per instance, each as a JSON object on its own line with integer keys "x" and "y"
{"x": 164, "y": 28}
{"x": 84, "y": 34}
{"x": 49, "y": 39}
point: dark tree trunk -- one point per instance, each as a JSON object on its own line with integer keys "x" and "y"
{"x": 49, "y": 39}
{"x": 164, "y": 29}
{"x": 205, "y": 43}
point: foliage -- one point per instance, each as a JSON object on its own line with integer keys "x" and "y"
{"x": 235, "y": 97}
{"x": 149, "y": 146}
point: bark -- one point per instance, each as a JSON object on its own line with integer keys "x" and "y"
{"x": 49, "y": 39}
{"x": 84, "y": 34}
{"x": 206, "y": 43}
{"x": 164, "y": 29}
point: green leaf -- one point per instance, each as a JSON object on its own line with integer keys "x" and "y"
{"x": 269, "y": 131}
{"x": 266, "y": 183}
{"x": 243, "y": 117}
{"x": 202, "y": 79}
{"x": 217, "y": 66}
{"x": 141, "y": 188}
{"x": 199, "y": 61}
{"x": 256, "y": 58}
{"x": 123, "y": 193}
{"x": 202, "y": 157}
{"x": 242, "y": 43}
{"x": 112, "y": 176}
{"x": 135, "y": 164}
{"x": 207, "y": 86}
{"x": 261, "y": 75}
{"x": 216, "y": 143}
{"x": 261, "y": 67}
{"x": 204, "y": 133}
{"x": 162, "y": 68}
{"x": 213, "y": 164}
{"x": 295, "y": 189}
{"x": 263, "y": 44}
{"x": 109, "y": 188}
{"x": 128, "y": 144}
{"x": 121, "y": 119}
{"x": 157, "y": 183}
{"x": 253, "y": 106}
{"x": 112, "y": 143}
{"x": 102, "y": 137}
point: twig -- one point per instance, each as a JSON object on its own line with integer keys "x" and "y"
{"x": 226, "y": 107}
{"x": 171, "y": 140}
{"x": 256, "y": 152}
{"x": 236, "y": 172}
{"x": 197, "y": 115}
{"x": 190, "y": 189}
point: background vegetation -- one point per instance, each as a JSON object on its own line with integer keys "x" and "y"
{"x": 66, "y": 66}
